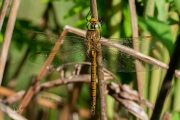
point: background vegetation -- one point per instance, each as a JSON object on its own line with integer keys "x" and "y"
{"x": 159, "y": 18}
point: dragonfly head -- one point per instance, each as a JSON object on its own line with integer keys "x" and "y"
{"x": 93, "y": 24}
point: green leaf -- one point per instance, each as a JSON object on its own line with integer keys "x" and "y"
{"x": 176, "y": 116}
{"x": 1, "y": 38}
{"x": 110, "y": 106}
{"x": 177, "y": 4}
{"x": 127, "y": 31}
{"x": 149, "y": 9}
{"x": 76, "y": 9}
{"x": 158, "y": 29}
{"x": 46, "y": 1}
{"x": 160, "y": 4}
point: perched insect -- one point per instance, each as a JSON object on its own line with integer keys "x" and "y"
{"x": 79, "y": 49}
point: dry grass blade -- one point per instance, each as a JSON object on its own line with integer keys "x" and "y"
{"x": 11, "y": 112}
{"x": 128, "y": 93}
{"x": 7, "y": 36}
{"x": 6, "y": 92}
{"x": 134, "y": 27}
{"x": 3, "y": 12}
{"x": 14, "y": 98}
{"x": 47, "y": 103}
{"x": 130, "y": 105}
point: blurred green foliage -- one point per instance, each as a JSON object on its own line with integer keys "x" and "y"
{"x": 53, "y": 15}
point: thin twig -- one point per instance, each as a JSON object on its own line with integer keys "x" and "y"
{"x": 7, "y": 36}
{"x": 13, "y": 98}
{"x": 94, "y": 9}
{"x": 11, "y": 113}
{"x": 134, "y": 24}
{"x": 134, "y": 27}
{"x": 3, "y": 12}
{"x": 167, "y": 83}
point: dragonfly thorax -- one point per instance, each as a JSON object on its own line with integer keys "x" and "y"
{"x": 93, "y": 24}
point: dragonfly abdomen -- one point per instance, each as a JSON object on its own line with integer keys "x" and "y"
{"x": 93, "y": 81}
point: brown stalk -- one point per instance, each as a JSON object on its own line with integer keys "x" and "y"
{"x": 6, "y": 91}
{"x": 80, "y": 78}
{"x": 11, "y": 113}
{"x": 134, "y": 27}
{"x": 3, "y": 12}
{"x": 7, "y": 36}
{"x": 14, "y": 97}
{"x": 101, "y": 81}
{"x": 47, "y": 103}
{"x": 28, "y": 96}
{"x": 94, "y": 9}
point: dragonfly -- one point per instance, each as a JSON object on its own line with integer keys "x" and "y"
{"x": 79, "y": 49}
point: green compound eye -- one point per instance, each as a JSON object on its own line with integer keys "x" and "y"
{"x": 93, "y": 24}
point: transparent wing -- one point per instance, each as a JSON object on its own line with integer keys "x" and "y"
{"x": 49, "y": 40}
{"x": 68, "y": 52}
{"x": 145, "y": 43}
{"x": 118, "y": 61}
{"x": 73, "y": 49}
